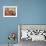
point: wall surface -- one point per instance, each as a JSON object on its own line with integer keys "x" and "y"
{"x": 29, "y": 12}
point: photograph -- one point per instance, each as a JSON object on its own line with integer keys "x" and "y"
{"x": 9, "y": 11}
{"x": 28, "y": 33}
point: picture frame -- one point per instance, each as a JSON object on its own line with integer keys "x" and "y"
{"x": 39, "y": 28}
{"x": 9, "y": 11}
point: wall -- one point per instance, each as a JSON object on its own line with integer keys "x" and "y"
{"x": 29, "y": 12}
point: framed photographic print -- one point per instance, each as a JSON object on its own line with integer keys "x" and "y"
{"x": 33, "y": 32}
{"x": 9, "y": 11}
